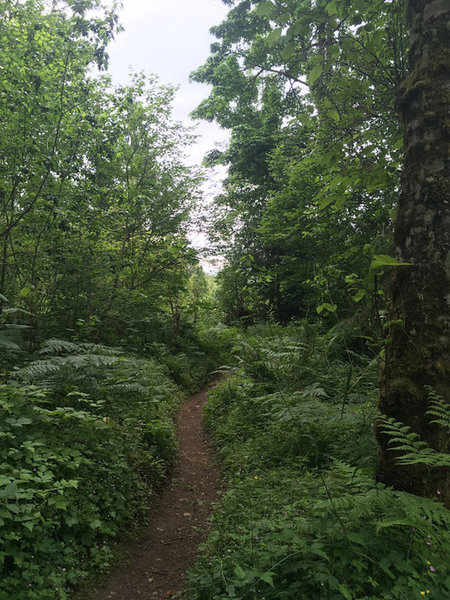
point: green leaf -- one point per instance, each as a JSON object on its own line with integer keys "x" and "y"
{"x": 330, "y": 158}
{"x": 301, "y": 27}
{"x": 29, "y": 446}
{"x": 268, "y": 578}
{"x": 71, "y": 520}
{"x": 357, "y": 538}
{"x": 326, "y": 201}
{"x": 384, "y": 564}
{"x": 376, "y": 42}
{"x": 239, "y": 572}
{"x": 20, "y": 422}
{"x": 10, "y": 491}
{"x": 331, "y": 8}
{"x": 383, "y": 260}
{"x": 17, "y": 310}
{"x": 334, "y": 115}
{"x": 335, "y": 182}
{"x": 289, "y": 50}
{"x": 347, "y": 44}
{"x": 334, "y": 50}
{"x": 5, "y": 343}
{"x": 345, "y": 592}
{"x": 25, "y": 292}
{"x": 95, "y": 523}
{"x": 314, "y": 74}
{"x": 283, "y": 19}
{"x": 326, "y": 306}
{"x": 265, "y": 9}
{"x": 360, "y": 294}
{"x": 273, "y": 36}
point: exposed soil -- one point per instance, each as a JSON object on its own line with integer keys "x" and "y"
{"x": 157, "y": 563}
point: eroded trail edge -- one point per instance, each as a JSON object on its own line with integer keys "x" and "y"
{"x": 157, "y": 563}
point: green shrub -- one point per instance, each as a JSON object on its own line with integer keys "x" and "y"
{"x": 303, "y": 516}
{"x": 289, "y": 534}
{"x": 82, "y": 449}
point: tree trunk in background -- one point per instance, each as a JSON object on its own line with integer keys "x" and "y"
{"x": 418, "y": 344}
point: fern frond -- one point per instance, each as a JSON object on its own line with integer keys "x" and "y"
{"x": 440, "y": 409}
{"x": 43, "y": 368}
{"x": 5, "y": 342}
{"x": 54, "y": 345}
{"x": 415, "y": 450}
{"x": 315, "y": 391}
{"x": 428, "y": 457}
{"x": 130, "y": 387}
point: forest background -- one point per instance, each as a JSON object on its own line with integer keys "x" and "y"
{"x": 106, "y": 317}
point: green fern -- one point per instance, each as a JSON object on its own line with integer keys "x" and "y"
{"x": 54, "y": 346}
{"x": 130, "y": 387}
{"x": 358, "y": 501}
{"x": 73, "y": 356}
{"x": 440, "y": 409}
{"x": 8, "y": 344}
{"x": 414, "y": 450}
{"x": 314, "y": 391}
{"x": 39, "y": 369}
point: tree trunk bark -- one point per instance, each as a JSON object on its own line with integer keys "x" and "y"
{"x": 418, "y": 340}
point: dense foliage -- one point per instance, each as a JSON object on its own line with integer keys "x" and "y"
{"x": 83, "y": 446}
{"x": 302, "y": 516}
{"x": 308, "y": 91}
{"x": 107, "y": 320}
{"x": 94, "y": 195}
{"x": 99, "y": 293}
{"x": 312, "y": 91}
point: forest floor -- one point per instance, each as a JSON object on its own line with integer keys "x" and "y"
{"x": 156, "y": 564}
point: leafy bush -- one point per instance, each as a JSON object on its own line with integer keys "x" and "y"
{"x": 87, "y": 435}
{"x": 303, "y": 517}
{"x": 290, "y": 533}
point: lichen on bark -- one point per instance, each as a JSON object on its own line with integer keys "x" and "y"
{"x": 418, "y": 353}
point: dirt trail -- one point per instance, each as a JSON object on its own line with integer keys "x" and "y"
{"x": 157, "y": 563}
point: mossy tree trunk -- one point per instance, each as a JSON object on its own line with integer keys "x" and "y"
{"x": 418, "y": 341}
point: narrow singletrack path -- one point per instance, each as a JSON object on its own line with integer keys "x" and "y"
{"x": 157, "y": 563}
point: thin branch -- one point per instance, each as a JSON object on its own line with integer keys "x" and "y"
{"x": 23, "y": 214}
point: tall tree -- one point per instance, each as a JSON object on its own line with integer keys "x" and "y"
{"x": 308, "y": 91}
{"x": 418, "y": 346}
{"x": 45, "y": 56}
{"x": 94, "y": 195}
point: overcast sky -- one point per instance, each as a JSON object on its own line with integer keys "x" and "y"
{"x": 171, "y": 39}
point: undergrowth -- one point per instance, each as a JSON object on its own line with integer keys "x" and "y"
{"x": 87, "y": 435}
{"x": 302, "y": 516}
